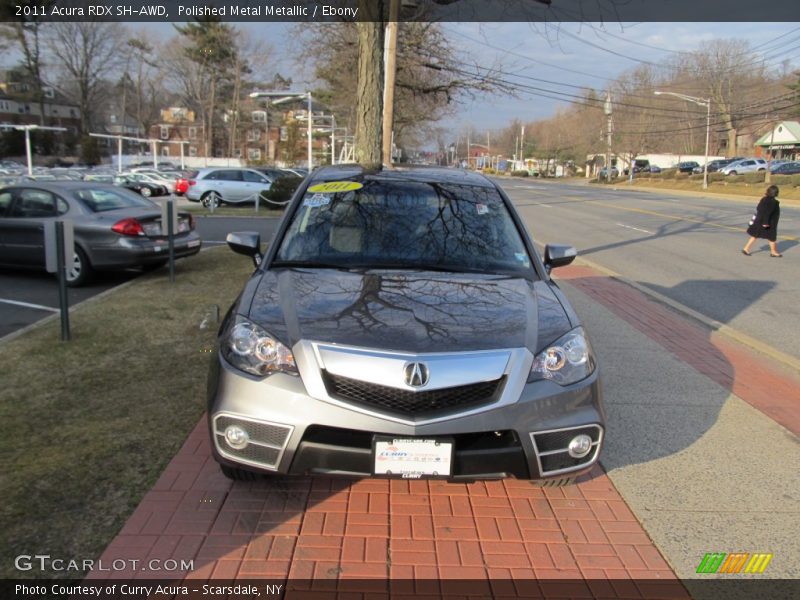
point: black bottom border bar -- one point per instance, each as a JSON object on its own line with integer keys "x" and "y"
{"x": 400, "y": 589}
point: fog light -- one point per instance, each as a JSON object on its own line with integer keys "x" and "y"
{"x": 237, "y": 437}
{"x": 580, "y": 446}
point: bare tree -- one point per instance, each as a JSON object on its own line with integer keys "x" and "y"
{"x": 87, "y": 53}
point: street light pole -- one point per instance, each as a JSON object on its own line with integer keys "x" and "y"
{"x": 700, "y": 102}
{"x": 284, "y": 97}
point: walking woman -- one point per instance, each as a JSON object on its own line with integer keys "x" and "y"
{"x": 765, "y": 223}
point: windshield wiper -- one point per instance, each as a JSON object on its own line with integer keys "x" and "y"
{"x": 310, "y": 264}
{"x": 423, "y": 267}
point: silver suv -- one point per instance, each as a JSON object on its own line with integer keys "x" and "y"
{"x": 216, "y": 185}
{"x": 746, "y": 165}
{"x": 402, "y": 324}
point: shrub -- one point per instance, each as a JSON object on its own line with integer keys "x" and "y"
{"x": 489, "y": 171}
{"x": 757, "y": 177}
{"x": 520, "y": 173}
{"x": 281, "y": 192}
{"x": 669, "y": 173}
{"x": 682, "y": 175}
{"x": 781, "y": 179}
{"x": 716, "y": 176}
{"x": 734, "y": 178}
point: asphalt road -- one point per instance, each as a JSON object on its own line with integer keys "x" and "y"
{"x": 685, "y": 248}
{"x": 28, "y": 296}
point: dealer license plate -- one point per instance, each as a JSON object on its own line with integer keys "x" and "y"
{"x": 412, "y": 458}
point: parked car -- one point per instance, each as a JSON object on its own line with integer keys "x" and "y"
{"x": 775, "y": 164}
{"x": 216, "y": 185}
{"x": 603, "y": 171}
{"x": 298, "y": 171}
{"x": 747, "y": 165}
{"x": 787, "y": 168}
{"x": 273, "y": 173}
{"x": 687, "y": 166}
{"x": 140, "y": 186}
{"x": 655, "y": 169}
{"x": 114, "y": 227}
{"x": 403, "y": 324}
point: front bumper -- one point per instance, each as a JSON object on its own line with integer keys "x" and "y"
{"x": 303, "y": 435}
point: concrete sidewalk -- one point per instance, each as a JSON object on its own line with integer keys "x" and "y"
{"x": 701, "y": 457}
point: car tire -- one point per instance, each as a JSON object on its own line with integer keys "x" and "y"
{"x": 238, "y": 474}
{"x": 732, "y": 173}
{"x": 211, "y": 198}
{"x": 80, "y": 272}
{"x": 145, "y": 191}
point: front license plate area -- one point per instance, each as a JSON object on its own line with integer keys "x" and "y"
{"x": 412, "y": 458}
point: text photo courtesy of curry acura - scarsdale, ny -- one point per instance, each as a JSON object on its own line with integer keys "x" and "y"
{"x": 388, "y": 299}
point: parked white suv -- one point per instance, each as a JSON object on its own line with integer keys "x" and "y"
{"x": 229, "y": 185}
{"x": 746, "y": 165}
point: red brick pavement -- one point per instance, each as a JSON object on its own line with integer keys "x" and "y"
{"x": 495, "y": 538}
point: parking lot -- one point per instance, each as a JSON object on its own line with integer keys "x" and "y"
{"x": 29, "y": 296}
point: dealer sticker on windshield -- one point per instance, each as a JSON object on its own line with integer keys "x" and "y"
{"x": 317, "y": 200}
{"x": 413, "y": 458}
{"x": 335, "y": 187}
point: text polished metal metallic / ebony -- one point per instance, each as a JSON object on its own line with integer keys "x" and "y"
{"x": 402, "y": 324}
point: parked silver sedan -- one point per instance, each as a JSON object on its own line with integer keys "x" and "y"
{"x": 114, "y": 227}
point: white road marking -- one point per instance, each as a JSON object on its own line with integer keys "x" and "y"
{"x": 29, "y": 305}
{"x": 636, "y": 228}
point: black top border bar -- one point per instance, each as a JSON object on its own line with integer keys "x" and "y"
{"x": 321, "y": 11}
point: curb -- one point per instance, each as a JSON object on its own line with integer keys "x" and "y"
{"x": 716, "y": 326}
{"x": 57, "y": 315}
{"x": 788, "y": 202}
{"x": 73, "y": 308}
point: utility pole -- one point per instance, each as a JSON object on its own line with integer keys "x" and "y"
{"x": 468, "y": 148}
{"x": 390, "y": 57}
{"x": 608, "y": 111}
{"x": 522, "y": 147}
{"x": 768, "y": 174}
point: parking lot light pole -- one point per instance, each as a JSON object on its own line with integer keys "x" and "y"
{"x": 700, "y": 102}
{"x": 27, "y": 130}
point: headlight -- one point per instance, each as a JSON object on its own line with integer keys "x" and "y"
{"x": 249, "y": 348}
{"x": 567, "y": 361}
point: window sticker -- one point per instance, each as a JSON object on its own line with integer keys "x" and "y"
{"x": 482, "y": 209}
{"x": 335, "y": 187}
{"x": 317, "y": 200}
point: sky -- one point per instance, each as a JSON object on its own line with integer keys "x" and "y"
{"x": 553, "y": 53}
{"x": 570, "y": 54}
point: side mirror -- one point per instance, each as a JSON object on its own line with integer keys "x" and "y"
{"x": 558, "y": 255}
{"x": 247, "y": 243}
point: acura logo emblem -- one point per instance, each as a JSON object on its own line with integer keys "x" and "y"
{"x": 417, "y": 374}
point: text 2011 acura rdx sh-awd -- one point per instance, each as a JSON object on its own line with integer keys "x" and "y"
{"x": 402, "y": 324}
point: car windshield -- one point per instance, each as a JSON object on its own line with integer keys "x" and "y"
{"x": 101, "y": 200}
{"x": 405, "y": 225}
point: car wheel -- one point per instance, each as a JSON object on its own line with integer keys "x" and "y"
{"x": 238, "y": 474}
{"x": 732, "y": 173}
{"x": 211, "y": 199}
{"x": 80, "y": 271}
{"x": 146, "y": 192}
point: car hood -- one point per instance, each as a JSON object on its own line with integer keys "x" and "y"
{"x": 408, "y": 311}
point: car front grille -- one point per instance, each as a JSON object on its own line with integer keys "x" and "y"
{"x": 407, "y": 402}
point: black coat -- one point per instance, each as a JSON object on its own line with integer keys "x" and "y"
{"x": 767, "y": 213}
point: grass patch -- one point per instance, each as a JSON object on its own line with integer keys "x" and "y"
{"x": 227, "y": 210}
{"x": 87, "y": 427}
